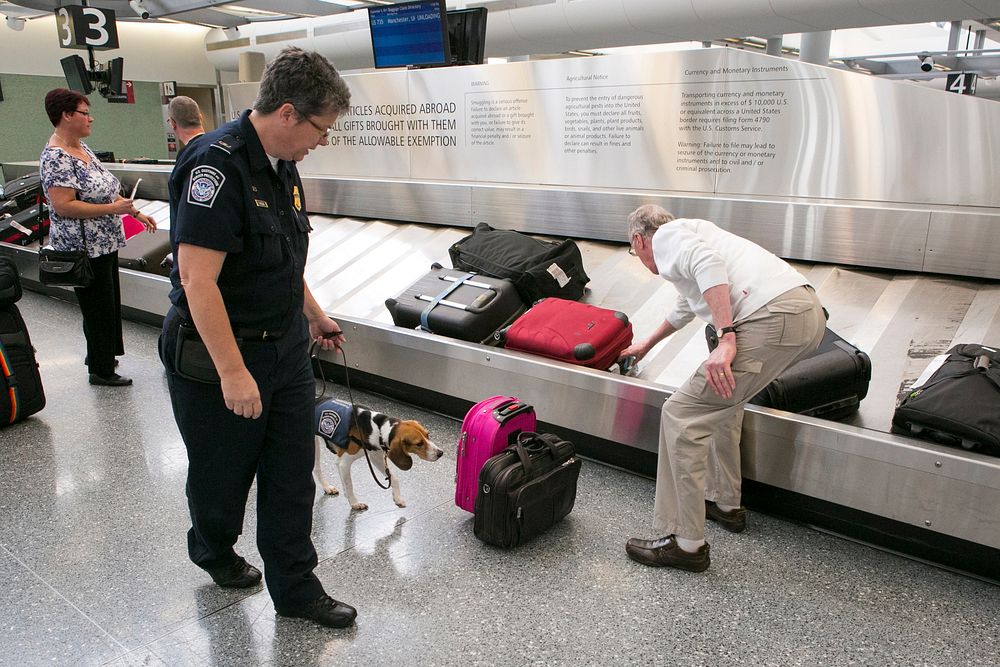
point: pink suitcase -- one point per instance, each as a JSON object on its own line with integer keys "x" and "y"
{"x": 487, "y": 429}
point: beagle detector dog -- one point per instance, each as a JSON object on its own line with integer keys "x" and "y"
{"x": 380, "y": 434}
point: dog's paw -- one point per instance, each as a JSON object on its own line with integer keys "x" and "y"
{"x": 400, "y": 503}
{"x": 331, "y": 491}
{"x": 359, "y": 506}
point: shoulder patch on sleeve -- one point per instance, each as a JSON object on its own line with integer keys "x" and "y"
{"x": 228, "y": 143}
{"x": 205, "y": 184}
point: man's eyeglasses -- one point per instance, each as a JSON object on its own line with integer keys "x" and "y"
{"x": 323, "y": 132}
{"x": 631, "y": 248}
{"x": 85, "y": 113}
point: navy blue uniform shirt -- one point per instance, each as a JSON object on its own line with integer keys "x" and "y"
{"x": 224, "y": 195}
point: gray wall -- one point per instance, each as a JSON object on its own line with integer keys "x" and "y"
{"x": 130, "y": 130}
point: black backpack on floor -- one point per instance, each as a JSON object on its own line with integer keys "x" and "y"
{"x": 20, "y": 382}
{"x": 537, "y": 268}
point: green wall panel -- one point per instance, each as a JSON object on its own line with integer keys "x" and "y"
{"x": 130, "y": 130}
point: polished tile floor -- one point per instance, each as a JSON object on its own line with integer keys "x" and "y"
{"x": 93, "y": 567}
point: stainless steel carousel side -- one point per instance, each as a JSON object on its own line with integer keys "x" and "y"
{"x": 926, "y": 490}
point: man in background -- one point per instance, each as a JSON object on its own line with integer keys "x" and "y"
{"x": 186, "y": 120}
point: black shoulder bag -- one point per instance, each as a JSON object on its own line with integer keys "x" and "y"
{"x": 65, "y": 268}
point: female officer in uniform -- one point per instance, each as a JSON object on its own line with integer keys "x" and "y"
{"x": 235, "y": 343}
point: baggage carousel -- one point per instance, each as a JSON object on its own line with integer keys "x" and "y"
{"x": 853, "y": 477}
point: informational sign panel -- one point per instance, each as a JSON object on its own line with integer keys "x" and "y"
{"x": 712, "y": 121}
{"x": 86, "y": 27}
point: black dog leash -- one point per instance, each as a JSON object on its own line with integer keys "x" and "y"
{"x": 354, "y": 410}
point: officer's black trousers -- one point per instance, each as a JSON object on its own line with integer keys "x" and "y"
{"x": 226, "y": 452}
{"x": 101, "y": 306}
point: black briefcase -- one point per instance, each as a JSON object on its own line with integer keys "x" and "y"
{"x": 525, "y": 489}
{"x": 959, "y": 405}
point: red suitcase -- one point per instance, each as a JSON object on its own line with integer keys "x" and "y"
{"x": 570, "y": 331}
{"x": 488, "y": 428}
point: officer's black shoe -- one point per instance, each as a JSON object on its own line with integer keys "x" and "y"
{"x": 238, "y": 574}
{"x": 113, "y": 380}
{"x": 325, "y": 611}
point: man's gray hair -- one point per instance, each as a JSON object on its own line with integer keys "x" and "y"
{"x": 645, "y": 220}
{"x": 185, "y": 112}
{"x": 304, "y": 79}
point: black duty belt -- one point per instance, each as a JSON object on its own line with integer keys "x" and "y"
{"x": 257, "y": 334}
{"x": 243, "y": 333}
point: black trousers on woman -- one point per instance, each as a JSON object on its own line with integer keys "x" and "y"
{"x": 101, "y": 305}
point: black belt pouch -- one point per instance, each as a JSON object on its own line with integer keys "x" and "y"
{"x": 191, "y": 358}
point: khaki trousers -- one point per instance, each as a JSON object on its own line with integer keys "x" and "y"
{"x": 699, "y": 455}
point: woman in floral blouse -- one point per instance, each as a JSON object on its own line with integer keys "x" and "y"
{"x": 80, "y": 190}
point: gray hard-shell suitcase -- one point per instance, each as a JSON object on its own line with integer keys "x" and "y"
{"x": 458, "y": 304}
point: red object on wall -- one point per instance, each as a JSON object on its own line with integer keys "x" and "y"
{"x": 129, "y": 92}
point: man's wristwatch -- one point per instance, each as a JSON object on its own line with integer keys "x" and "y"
{"x": 724, "y": 330}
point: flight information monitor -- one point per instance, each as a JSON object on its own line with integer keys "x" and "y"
{"x": 410, "y": 34}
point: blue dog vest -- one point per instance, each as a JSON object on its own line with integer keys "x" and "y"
{"x": 333, "y": 421}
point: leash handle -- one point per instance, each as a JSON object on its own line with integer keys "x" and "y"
{"x": 354, "y": 410}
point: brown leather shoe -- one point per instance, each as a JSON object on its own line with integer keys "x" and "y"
{"x": 665, "y": 552}
{"x": 735, "y": 521}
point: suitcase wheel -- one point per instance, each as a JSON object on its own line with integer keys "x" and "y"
{"x": 584, "y": 351}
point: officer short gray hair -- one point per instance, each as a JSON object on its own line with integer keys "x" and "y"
{"x": 185, "y": 112}
{"x": 304, "y": 79}
{"x": 645, "y": 220}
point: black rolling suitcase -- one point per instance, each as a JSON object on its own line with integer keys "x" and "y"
{"x": 457, "y": 304}
{"x": 23, "y": 192}
{"x": 20, "y": 382}
{"x": 526, "y": 489}
{"x": 27, "y": 226}
{"x": 145, "y": 252}
{"x": 959, "y": 404}
{"x": 830, "y": 383}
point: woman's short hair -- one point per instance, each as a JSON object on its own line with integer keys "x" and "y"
{"x": 306, "y": 80}
{"x": 645, "y": 219}
{"x": 60, "y": 100}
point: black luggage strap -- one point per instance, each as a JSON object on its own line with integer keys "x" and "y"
{"x": 434, "y": 301}
{"x": 354, "y": 412}
{"x": 529, "y": 440}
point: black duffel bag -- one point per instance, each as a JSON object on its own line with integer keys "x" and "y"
{"x": 525, "y": 489}
{"x": 537, "y": 268}
{"x": 959, "y": 405}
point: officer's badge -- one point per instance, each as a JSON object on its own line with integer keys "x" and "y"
{"x": 296, "y": 199}
{"x": 205, "y": 182}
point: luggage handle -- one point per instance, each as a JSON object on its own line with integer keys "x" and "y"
{"x": 525, "y": 441}
{"x": 510, "y": 409}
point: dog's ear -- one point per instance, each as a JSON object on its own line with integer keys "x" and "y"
{"x": 398, "y": 455}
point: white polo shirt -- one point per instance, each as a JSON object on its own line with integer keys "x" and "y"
{"x": 695, "y": 255}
